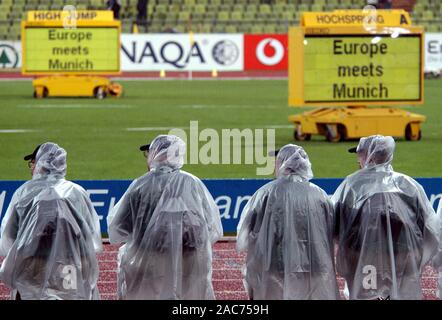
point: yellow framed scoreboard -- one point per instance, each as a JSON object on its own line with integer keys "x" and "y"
{"x": 364, "y": 60}
{"x": 356, "y": 65}
{"x": 72, "y": 51}
{"x": 53, "y": 45}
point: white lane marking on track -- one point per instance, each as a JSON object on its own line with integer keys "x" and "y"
{"x": 180, "y": 78}
{"x": 18, "y": 130}
{"x": 74, "y": 106}
{"x": 15, "y": 79}
{"x": 154, "y": 128}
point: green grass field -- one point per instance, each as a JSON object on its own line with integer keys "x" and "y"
{"x": 94, "y": 132}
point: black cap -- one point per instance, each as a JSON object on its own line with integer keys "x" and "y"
{"x": 273, "y": 153}
{"x": 352, "y": 150}
{"x": 33, "y": 154}
{"x": 163, "y": 145}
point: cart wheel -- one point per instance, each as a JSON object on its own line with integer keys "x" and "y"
{"x": 100, "y": 93}
{"x": 42, "y": 94}
{"x": 409, "y": 135}
{"x": 330, "y": 136}
{"x": 299, "y": 135}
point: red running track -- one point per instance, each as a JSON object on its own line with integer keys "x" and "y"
{"x": 227, "y": 278}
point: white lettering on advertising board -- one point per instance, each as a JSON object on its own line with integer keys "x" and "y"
{"x": 433, "y": 52}
{"x": 230, "y": 208}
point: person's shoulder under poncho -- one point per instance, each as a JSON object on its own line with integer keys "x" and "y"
{"x": 144, "y": 194}
{"x": 383, "y": 219}
{"x": 168, "y": 221}
{"x": 286, "y": 229}
{"x": 49, "y": 231}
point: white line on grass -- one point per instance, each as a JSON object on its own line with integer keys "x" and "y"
{"x": 154, "y": 128}
{"x": 74, "y": 106}
{"x": 288, "y": 126}
{"x": 187, "y": 128}
{"x": 199, "y": 106}
{"x": 18, "y": 130}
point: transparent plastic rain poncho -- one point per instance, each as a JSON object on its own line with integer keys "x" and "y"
{"x": 387, "y": 229}
{"x": 168, "y": 221}
{"x": 437, "y": 262}
{"x": 50, "y": 235}
{"x": 286, "y": 229}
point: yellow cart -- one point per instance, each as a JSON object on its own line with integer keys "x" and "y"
{"x": 339, "y": 124}
{"x": 77, "y": 86}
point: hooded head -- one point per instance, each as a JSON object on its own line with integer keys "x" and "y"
{"x": 375, "y": 150}
{"x": 293, "y": 160}
{"x": 50, "y": 160}
{"x": 166, "y": 151}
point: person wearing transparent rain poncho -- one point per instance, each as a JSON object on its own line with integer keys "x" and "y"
{"x": 437, "y": 262}
{"x": 387, "y": 229}
{"x": 286, "y": 229}
{"x": 50, "y": 234}
{"x": 168, "y": 222}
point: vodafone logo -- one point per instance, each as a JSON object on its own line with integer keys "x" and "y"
{"x": 265, "y": 52}
{"x": 270, "y": 51}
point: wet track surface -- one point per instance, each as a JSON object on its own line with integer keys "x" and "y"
{"x": 227, "y": 278}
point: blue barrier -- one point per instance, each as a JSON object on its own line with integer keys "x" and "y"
{"x": 231, "y": 195}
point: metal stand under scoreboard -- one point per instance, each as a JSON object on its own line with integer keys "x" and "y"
{"x": 75, "y": 86}
{"x": 318, "y": 65}
{"x": 339, "y": 124}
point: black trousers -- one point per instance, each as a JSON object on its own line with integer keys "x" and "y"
{"x": 142, "y": 11}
